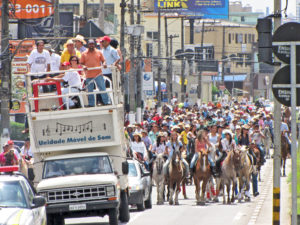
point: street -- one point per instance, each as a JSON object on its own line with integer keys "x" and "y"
{"x": 212, "y": 213}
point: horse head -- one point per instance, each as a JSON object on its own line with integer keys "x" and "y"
{"x": 236, "y": 158}
{"x": 176, "y": 158}
{"x": 159, "y": 163}
{"x": 203, "y": 160}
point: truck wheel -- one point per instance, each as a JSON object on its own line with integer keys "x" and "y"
{"x": 148, "y": 202}
{"x": 124, "y": 215}
{"x": 113, "y": 216}
{"x": 54, "y": 219}
{"x": 141, "y": 207}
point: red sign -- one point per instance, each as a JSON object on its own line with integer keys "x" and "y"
{"x": 25, "y": 48}
{"x": 30, "y": 9}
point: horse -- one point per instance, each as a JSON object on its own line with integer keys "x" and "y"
{"x": 159, "y": 177}
{"x": 284, "y": 152}
{"x": 267, "y": 141}
{"x": 177, "y": 173}
{"x": 228, "y": 175}
{"x": 202, "y": 173}
{"x": 244, "y": 175}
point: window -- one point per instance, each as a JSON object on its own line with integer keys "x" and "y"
{"x": 249, "y": 38}
{"x": 69, "y": 8}
{"x": 236, "y": 38}
{"x": 152, "y": 35}
{"x": 245, "y": 39}
{"x": 253, "y": 38}
{"x": 242, "y": 19}
{"x": 229, "y": 38}
{"x": 205, "y": 53}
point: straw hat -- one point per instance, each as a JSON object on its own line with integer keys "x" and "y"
{"x": 137, "y": 134}
{"x": 69, "y": 42}
{"x": 80, "y": 38}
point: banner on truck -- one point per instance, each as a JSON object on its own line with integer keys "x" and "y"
{"x": 207, "y": 9}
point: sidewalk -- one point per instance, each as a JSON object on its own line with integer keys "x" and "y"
{"x": 265, "y": 214}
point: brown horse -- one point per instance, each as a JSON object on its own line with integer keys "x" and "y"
{"x": 284, "y": 152}
{"x": 230, "y": 166}
{"x": 244, "y": 175}
{"x": 177, "y": 172}
{"x": 202, "y": 173}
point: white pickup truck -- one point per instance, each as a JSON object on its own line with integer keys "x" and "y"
{"x": 80, "y": 161}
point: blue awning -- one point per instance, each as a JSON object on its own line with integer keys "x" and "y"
{"x": 231, "y": 78}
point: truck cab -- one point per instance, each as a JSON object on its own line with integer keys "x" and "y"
{"x": 80, "y": 162}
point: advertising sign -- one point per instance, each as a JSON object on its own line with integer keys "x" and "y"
{"x": 148, "y": 81}
{"x": 30, "y": 9}
{"x": 66, "y": 131}
{"x": 213, "y": 9}
{"x": 24, "y": 49}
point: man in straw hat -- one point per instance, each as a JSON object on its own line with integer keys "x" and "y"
{"x": 69, "y": 50}
{"x": 79, "y": 43}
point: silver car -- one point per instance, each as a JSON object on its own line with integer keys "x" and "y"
{"x": 18, "y": 202}
{"x": 140, "y": 186}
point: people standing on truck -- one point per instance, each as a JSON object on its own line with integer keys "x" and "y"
{"x": 26, "y": 151}
{"x": 69, "y": 50}
{"x": 114, "y": 43}
{"x": 93, "y": 57}
{"x": 111, "y": 56}
{"x": 54, "y": 58}
{"x": 72, "y": 78}
{"x": 79, "y": 43}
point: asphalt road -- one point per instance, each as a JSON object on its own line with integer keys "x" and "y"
{"x": 187, "y": 212}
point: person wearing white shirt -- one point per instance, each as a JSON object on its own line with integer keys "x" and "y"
{"x": 54, "y": 59}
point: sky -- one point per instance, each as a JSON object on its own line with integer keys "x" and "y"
{"x": 262, "y": 4}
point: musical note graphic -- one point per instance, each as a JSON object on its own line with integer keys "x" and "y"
{"x": 63, "y": 128}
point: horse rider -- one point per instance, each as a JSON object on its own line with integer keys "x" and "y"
{"x": 284, "y": 128}
{"x": 257, "y": 136}
{"x": 227, "y": 144}
{"x": 269, "y": 123}
{"x": 174, "y": 145}
{"x": 201, "y": 145}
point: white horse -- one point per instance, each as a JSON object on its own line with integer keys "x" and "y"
{"x": 267, "y": 141}
{"x": 159, "y": 178}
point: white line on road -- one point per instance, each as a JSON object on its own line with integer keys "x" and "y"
{"x": 238, "y": 216}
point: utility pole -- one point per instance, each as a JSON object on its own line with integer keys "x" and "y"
{"x": 159, "y": 66}
{"x": 277, "y": 140}
{"x": 139, "y": 68}
{"x": 132, "y": 80}
{"x": 191, "y": 30}
{"x": 199, "y": 67}
{"x": 56, "y": 22}
{"x": 101, "y": 15}
{"x": 5, "y": 73}
{"x": 223, "y": 54}
{"x": 168, "y": 61}
{"x": 170, "y": 71}
{"x": 85, "y": 10}
{"x": 182, "y": 62}
{"x": 122, "y": 40}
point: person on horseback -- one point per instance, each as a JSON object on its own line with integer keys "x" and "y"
{"x": 284, "y": 128}
{"x": 257, "y": 136}
{"x": 174, "y": 145}
{"x": 139, "y": 150}
{"x": 159, "y": 147}
{"x": 201, "y": 144}
{"x": 227, "y": 144}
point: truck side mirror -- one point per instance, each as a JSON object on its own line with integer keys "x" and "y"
{"x": 125, "y": 167}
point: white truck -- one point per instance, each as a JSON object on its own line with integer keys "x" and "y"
{"x": 80, "y": 161}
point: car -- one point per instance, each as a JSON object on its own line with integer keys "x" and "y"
{"x": 19, "y": 203}
{"x": 140, "y": 186}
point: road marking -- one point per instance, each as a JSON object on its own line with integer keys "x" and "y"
{"x": 238, "y": 216}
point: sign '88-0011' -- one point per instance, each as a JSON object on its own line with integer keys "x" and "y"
{"x": 283, "y": 94}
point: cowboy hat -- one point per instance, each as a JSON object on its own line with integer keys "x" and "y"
{"x": 79, "y": 38}
{"x": 227, "y": 132}
{"x": 137, "y": 134}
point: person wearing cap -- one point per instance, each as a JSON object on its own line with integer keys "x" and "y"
{"x": 54, "y": 58}
{"x": 111, "y": 56}
{"x": 8, "y": 156}
{"x": 244, "y": 137}
{"x": 257, "y": 136}
{"x": 69, "y": 50}
{"x": 269, "y": 123}
{"x": 93, "y": 57}
{"x": 79, "y": 43}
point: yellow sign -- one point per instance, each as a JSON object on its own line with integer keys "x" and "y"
{"x": 185, "y": 81}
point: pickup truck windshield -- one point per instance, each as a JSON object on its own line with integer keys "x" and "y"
{"x": 12, "y": 195}
{"x": 77, "y": 166}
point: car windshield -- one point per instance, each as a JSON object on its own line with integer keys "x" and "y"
{"x": 77, "y": 166}
{"x": 132, "y": 170}
{"x": 12, "y": 195}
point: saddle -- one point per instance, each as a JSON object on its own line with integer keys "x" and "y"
{"x": 251, "y": 158}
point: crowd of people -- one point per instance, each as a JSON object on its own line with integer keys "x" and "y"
{"x": 213, "y": 128}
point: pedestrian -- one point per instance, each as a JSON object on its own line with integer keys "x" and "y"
{"x": 111, "y": 56}
{"x": 93, "y": 57}
{"x": 69, "y": 50}
{"x": 79, "y": 43}
{"x": 8, "y": 156}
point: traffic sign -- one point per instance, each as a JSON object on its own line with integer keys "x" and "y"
{"x": 283, "y": 78}
{"x": 286, "y": 32}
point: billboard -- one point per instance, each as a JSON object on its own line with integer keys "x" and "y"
{"x": 30, "y": 9}
{"x": 204, "y": 9}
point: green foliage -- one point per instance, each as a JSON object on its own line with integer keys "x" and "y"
{"x": 16, "y": 131}
{"x": 214, "y": 90}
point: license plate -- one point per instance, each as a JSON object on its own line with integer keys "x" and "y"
{"x": 77, "y": 207}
